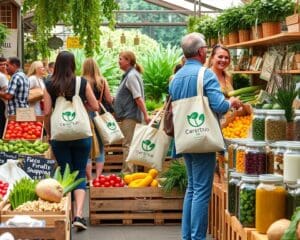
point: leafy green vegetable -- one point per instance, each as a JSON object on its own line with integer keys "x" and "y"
{"x": 290, "y": 233}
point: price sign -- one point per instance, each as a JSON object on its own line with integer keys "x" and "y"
{"x": 25, "y": 115}
{"x": 73, "y": 42}
{"x": 4, "y": 156}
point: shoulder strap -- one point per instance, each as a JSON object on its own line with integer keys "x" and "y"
{"x": 200, "y": 84}
{"x": 77, "y": 85}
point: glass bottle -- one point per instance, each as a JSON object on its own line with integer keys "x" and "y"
{"x": 255, "y": 158}
{"x": 270, "y": 149}
{"x": 232, "y": 153}
{"x": 297, "y": 125}
{"x": 278, "y": 157}
{"x": 232, "y": 203}
{"x": 270, "y": 201}
{"x": 258, "y": 124}
{"x": 291, "y": 159}
{"x": 293, "y": 198}
{"x": 247, "y": 200}
{"x": 240, "y": 157}
{"x": 275, "y": 125}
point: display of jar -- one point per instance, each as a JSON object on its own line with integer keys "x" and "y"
{"x": 247, "y": 200}
{"x": 275, "y": 125}
{"x": 255, "y": 158}
{"x": 232, "y": 153}
{"x": 270, "y": 201}
{"x": 258, "y": 124}
{"x": 278, "y": 157}
{"x": 270, "y": 149}
{"x": 240, "y": 157}
{"x": 292, "y": 199}
{"x": 232, "y": 201}
{"x": 297, "y": 125}
{"x": 291, "y": 159}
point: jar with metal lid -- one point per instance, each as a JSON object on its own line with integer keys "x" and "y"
{"x": 232, "y": 202}
{"x": 293, "y": 198}
{"x": 297, "y": 125}
{"x": 275, "y": 125}
{"x": 291, "y": 159}
{"x": 247, "y": 200}
{"x": 232, "y": 153}
{"x": 270, "y": 149}
{"x": 258, "y": 124}
{"x": 255, "y": 157}
{"x": 240, "y": 157}
{"x": 270, "y": 201}
{"x": 278, "y": 157}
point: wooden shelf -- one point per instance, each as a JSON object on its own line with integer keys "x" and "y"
{"x": 282, "y": 38}
{"x": 257, "y": 236}
{"x": 258, "y": 72}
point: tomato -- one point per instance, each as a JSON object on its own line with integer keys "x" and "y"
{"x": 112, "y": 182}
{"x": 118, "y": 179}
{"x": 102, "y": 185}
{"x": 96, "y": 184}
{"x": 117, "y": 185}
{"x": 112, "y": 177}
{"x": 95, "y": 180}
{"x": 106, "y": 184}
{"x": 102, "y": 180}
{"x": 5, "y": 184}
{"x": 121, "y": 184}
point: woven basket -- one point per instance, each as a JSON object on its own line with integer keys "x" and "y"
{"x": 244, "y": 35}
{"x": 233, "y": 37}
{"x": 270, "y": 28}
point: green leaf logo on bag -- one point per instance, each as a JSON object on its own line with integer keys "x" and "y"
{"x": 195, "y": 119}
{"x": 147, "y": 145}
{"x": 111, "y": 125}
{"x": 68, "y": 116}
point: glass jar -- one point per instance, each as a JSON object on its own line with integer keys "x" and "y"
{"x": 240, "y": 157}
{"x": 297, "y": 125}
{"x": 247, "y": 200}
{"x": 291, "y": 159}
{"x": 275, "y": 125}
{"x": 270, "y": 149}
{"x": 255, "y": 158}
{"x": 292, "y": 199}
{"x": 232, "y": 154}
{"x": 270, "y": 201}
{"x": 232, "y": 203}
{"x": 278, "y": 157}
{"x": 258, "y": 124}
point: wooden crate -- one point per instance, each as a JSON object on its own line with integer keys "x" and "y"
{"x": 238, "y": 232}
{"x": 49, "y": 217}
{"x": 113, "y": 158}
{"x": 56, "y": 232}
{"x": 136, "y": 206}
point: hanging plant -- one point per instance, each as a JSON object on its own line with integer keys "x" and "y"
{"x": 3, "y": 33}
{"x": 84, "y": 16}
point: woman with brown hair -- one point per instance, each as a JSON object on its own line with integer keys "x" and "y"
{"x": 129, "y": 104}
{"x": 91, "y": 72}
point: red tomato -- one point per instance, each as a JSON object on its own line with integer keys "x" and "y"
{"x": 112, "y": 182}
{"x": 102, "y": 185}
{"x": 117, "y": 185}
{"x": 102, "y": 180}
{"x": 95, "y": 180}
{"x": 112, "y": 177}
{"x": 121, "y": 184}
{"x": 106, "y": 184}
{"x": 7, "y": 136}
{"x": 118, "y": 179}
{"x": 96, "y": 184}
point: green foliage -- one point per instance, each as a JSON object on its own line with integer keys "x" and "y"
{"x": 193, "y": 23}
{"x": 152, "y": 105}
{"x": 158, "y": 67}
{"x": 240, "y": 81}
{"x": 273, "y": 10}
{"x": 205, "y": 25}
{"x": 3, "y": 33}
{"x": 84, "y": 16}
{"x": 229, "y": 20}
{"x": 290, "y": 233}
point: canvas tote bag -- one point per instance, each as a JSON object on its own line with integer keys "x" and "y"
{"x": 107, "y": 127}
{"x": 196, "y": 128}
{"x": 149, "y": 145}
{"x": 69, "y": 120}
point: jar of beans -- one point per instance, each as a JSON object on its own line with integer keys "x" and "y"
{"x": 297, "y": 125}
{"x": 240, "y": 156}
{"x": 255, "y": 158}
{"x": 275, "y": 125}
{"x": 278, "y": 157}
{"x": 232, "y": 147}
{"x": 232, "y": 201}
{"x": 270, "y": 149}
{"x": 247, "y": 200}
{"x": 258, "y": 124}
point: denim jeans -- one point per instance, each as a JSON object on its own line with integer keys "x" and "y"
{"x": 200, "y": 170}
{"x": 75, "y": 153}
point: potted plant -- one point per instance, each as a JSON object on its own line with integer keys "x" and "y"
{"x": 3, "y": 33}
{"x": 245, "y": 24}
{"x": 250, "y": 18}
{"x": 271, "y": 13}
{"x": 208, "y": 28}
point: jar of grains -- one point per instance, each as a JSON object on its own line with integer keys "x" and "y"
{"x": 247, "y": 200}
{"x": 270, "y": 149}
{"x": 275, "y": 125}
{"x": 255, "y": 158}
{"x": 270, "y": 201}
{"x": 297, "y": 125}
{"x": 240, "y": 156}
{"x": 232, "y": 202}
{"x": 291, "y": 159}
{"x": 258, "y": 124}
{"x": 293, "y": 198}
{"x": 232, "y": 153}
{"x": 278, "y": 157}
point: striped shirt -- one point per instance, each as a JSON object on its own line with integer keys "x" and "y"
{"x": 18, "y": 86}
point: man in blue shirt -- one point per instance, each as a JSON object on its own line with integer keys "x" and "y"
{"x": 200, "y": 166}
{"x": 18, "y": 87}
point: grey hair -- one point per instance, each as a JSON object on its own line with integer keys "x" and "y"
{"x": 191, "y": 42}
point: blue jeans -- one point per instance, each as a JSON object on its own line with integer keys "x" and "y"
{"x": 200, "y": 170}
{"x": 75, "y": 153}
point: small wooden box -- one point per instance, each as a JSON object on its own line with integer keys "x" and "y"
{"x": 293, "y": 19}
{"x": 294, "y": 27}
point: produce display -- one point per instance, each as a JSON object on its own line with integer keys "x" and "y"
{"x": 246, "y": 94}
{"x": 275, "y": 125}
{"x": 42, "y": 206}
{"x": 108, "y": 181}
{"x": 238, "y": 128}
{"x": 255, "y": 158}
{"x": 142, "y": 179}
{"x": 23, "y": 130}
{"x": 258, "y": 125}
{"x": 24, "y": 147}
{"x": 49, "y": 190}
{"x": 3, "y": 189}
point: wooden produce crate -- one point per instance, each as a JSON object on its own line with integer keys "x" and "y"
{"x": 134, "y": 206}
{"x": 56, "y": 232}
{"x": 113, "y": 158}
{"x": 49, "y": 217}
{"x": 238, "y": 232}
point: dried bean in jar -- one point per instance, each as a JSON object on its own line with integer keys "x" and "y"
{"x": 255, "y": 163}
{"x": 258, "y": 129}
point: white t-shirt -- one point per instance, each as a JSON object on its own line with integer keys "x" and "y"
{"x": 35, "y": 82}
{"x": 3, "y": 81}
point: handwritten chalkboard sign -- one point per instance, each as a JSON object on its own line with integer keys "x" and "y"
{"x": 37, "y": 167}
{"x": 4, "y": 156}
